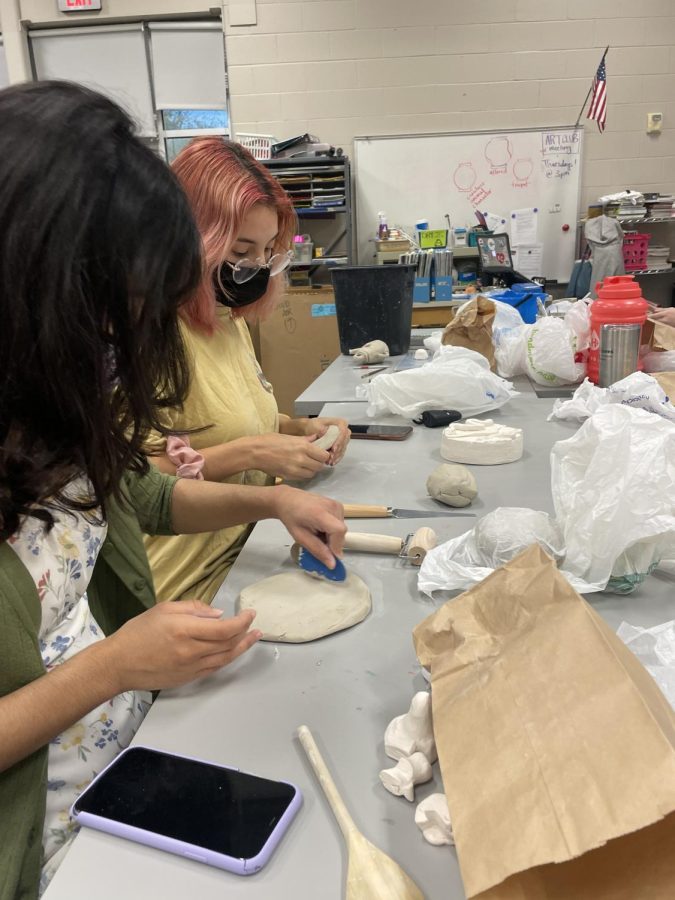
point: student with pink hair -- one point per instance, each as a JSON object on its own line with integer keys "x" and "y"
{"x": 247, "y": 223}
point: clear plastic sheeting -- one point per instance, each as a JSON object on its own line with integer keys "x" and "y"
{"x": 495, "y": 540}
{"x": 613, "y": 486}
{"x": 655, "y": 648}
{"x": 456, "y": 378}
{"x": 639, "y": 391}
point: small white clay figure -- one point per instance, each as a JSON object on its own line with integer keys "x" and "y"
{"x": 326, "y": 441}
{"x": 432, "y": 817}
{"x": 401, "y": 780}
{"x": 372, "y": 352}
{"x": 453, "y": 485}
{"x": 412, "y": 732}
{"x": 421, "y": 353}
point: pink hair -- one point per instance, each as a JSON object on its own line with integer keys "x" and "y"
{"x": 223, "y": 182}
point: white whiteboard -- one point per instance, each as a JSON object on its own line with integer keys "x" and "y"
{"x": 425, "y": 176}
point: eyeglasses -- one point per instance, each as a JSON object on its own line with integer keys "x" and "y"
{"x": 245, "y": 269}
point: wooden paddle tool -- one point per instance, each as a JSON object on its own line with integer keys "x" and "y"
{"x": 371, "y": 874}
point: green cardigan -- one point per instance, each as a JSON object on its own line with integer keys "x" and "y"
{"x": 120, "y": 587}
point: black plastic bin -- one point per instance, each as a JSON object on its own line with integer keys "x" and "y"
{"x": 374, "y": 303}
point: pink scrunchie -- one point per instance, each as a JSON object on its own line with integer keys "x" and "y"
{"x": 188, "y": 461}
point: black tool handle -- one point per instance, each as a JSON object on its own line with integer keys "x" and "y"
{"x": 437, "y": 418}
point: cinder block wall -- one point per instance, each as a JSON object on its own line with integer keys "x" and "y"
{"x": 339, "y": 68}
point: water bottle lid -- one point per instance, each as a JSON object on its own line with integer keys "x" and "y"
{"x": 618, "y": 287}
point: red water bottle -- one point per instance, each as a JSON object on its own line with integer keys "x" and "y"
{"x": 620, "y": 302}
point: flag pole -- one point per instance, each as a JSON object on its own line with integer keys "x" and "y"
{"x": 583, "y": 105}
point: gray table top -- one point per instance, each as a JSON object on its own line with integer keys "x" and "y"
{"x": 340, "y": 380}
{"x": 346, "y": 687}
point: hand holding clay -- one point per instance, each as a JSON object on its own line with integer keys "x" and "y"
{"x": 408, "y": 772}
{"x": 334, "y": 435}
{"x": 372, "y": 352}
{"x": 315, "y": 522}
{"x": 412, "y": 732}
{"x": 453, "y": 485}
{"x": 432, "y": 817}
{"x": 289, "y": 457}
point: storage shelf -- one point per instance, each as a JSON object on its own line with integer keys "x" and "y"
{"x": 628, "y": 221}
{"x": 321, "y": 261}
{"x": 317, "y": 211}
{"x": 652, "y": 272}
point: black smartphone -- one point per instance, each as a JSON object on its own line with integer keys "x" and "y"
{"x": 380, "y": 432}
{"x": 197, "y": 809}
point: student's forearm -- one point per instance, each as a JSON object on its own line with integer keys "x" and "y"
{"x": 220, "y": 461}
{"x": 31, "y": 716}
{"x": 207, "y": 506}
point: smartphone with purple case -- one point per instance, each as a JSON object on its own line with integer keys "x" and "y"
{"x": 190, "y": 807}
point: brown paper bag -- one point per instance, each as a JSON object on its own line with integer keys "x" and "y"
{"x": 557, "y": 749}
{"x": 667, "y": 382}
{"x": 658, "y": 336}
{"x": 472, "y": 328}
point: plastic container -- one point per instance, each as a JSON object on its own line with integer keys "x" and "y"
{"x": 620, "y": 302}
{"x": 460, "y": 237}
{"x": 523, "y": 297}
{"x": 635, "y": 249}
{"x": 374, "y": 303}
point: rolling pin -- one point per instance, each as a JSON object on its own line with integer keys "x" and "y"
{"x": 420, "y": 543}
{"x": 361, "y": 542}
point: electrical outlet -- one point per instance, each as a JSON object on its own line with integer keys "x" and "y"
{"x": 654, "y": 123}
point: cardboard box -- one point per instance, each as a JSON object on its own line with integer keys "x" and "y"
{"x": 298, "y": 342}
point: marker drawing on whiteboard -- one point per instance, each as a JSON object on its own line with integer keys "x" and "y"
{"x": 464, "y": 177}
{"x": 498, "y": 153}
{"x": 522, "y": 169}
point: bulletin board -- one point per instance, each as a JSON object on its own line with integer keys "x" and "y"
{"x": 425, "y": 176}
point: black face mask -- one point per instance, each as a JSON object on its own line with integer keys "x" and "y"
{"x": 236, "y": 295}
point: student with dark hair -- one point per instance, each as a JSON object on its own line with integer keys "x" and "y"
{"x": 98, "y": 250}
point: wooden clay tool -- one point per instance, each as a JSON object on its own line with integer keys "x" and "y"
{"x": 416, "y": 548}
{"x": 371, "y": 874}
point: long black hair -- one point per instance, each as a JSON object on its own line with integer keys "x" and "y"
{"x": 98, "y": 249}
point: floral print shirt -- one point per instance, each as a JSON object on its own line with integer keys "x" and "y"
{"x": 61, "y": 562}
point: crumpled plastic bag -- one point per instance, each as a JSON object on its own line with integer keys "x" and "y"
{"x": 655, "y": 648}
{"x": 495, "y": 539}
{"x": 638, "y": 390}
{"x": 456, "y": 378}
{"x": 613, "y": 487}
{"x": 552, "y": 351}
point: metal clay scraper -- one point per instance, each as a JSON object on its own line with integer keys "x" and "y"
{"x": 359, "y": 511}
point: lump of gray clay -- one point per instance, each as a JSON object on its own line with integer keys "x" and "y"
{"x": 452, "y": 484}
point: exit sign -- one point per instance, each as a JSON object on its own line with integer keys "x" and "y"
{"x": 68, "y": 6}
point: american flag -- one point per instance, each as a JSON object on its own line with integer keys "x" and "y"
{"x": 598, "y": 108}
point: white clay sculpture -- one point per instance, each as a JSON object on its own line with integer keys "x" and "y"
{"x": 421, "y": 353}
{"x": 452, "y": 484}
{"x": 294, "y": 608}
{"x": 412, "y": 732}
{"x": 372, "y": 352}
{"x": 326, "y": 441}
{"x": 401, "y": 780}
{"x": 432, "y": 817}
{"x": 481, "y": 442}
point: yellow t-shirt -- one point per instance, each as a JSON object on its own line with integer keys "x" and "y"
{"x": 229, "y": 392}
